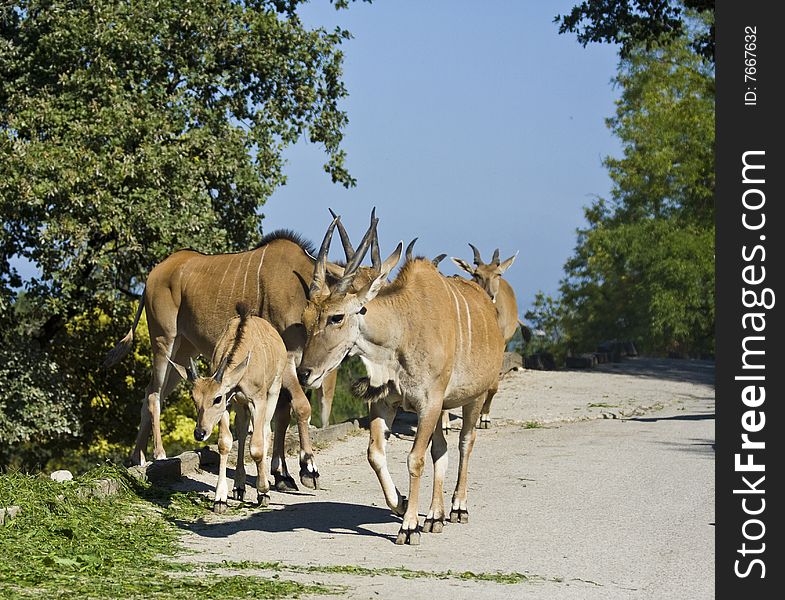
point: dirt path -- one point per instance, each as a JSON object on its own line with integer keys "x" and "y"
{"x": 592, "y": 484}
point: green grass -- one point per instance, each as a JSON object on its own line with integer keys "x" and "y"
{"x": 403, "y": 572}
{"x": 65, "y": 545}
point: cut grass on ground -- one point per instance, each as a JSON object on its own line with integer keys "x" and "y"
{"x": 65, "y": 544}
{"x": 403, "y": 572}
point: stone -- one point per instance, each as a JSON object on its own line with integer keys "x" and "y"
{"x": 209, "y": 457}
{"x": 189, "y": 462}
{"x": 172, "y": 469}
{"x": 61, "y": 476}
{"x": 512, "y": 361}
{"x": 8, "y": 513}
{"x": 138, "y": 473}
{"x": 104, "y": 488}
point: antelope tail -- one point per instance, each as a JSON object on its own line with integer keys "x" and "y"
{"x": 525, "y": 332}
{"x": 116, "y": 354}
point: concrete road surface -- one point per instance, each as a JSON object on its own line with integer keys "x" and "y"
{"x": 592, "y": 485}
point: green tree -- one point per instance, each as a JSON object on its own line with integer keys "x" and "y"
{"x": 632, "y": 23}
{"x": 546, "y": 323}
{"x": 131, "y": 129}
{"x": 643, "y": 268}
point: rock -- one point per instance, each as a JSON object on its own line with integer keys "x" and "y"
{"x": 138, "y": 473}
{"x": 189, "y": 462}
{"x": 584, "y": 361}
{"x": 172, "y": 469}
{"x": 61, "y": 476}
{"x": 100, "y": 488}
{"x": 9, "y": 513}
{"x": 512, "y": 361}
{"x": 541, "y": 361}
{"x": 209, "y": 457}
{"x": 103, "y": 488}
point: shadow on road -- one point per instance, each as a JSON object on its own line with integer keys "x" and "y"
{"x": 334, "y": 518}
{"x": 700, "y": 446}
{"x": 684, "y": 370}
{"x": 697, "y": 417}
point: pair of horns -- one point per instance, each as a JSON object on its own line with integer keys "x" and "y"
{"x": 348, "y": 249}
{"x": 192, "y": 370}
{"x": 478, "y": 259}
{"x": 353, "y": 258}
{"x": 410, "y": 255}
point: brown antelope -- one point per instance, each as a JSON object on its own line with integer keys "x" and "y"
{"x": 188, "y": 299}
{"x": 428, "y": 342}
{"x": 326, "y": 392}
{"x": 489, "y": 277}
{"x": 248, "y": 367}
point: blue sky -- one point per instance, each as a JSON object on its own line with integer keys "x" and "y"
{"x": 469, "y": 122}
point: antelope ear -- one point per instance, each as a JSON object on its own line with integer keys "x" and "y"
{"x": 392, "y": 260}
{"x": 181, "y": 370}
{"x": 371, "y": 289}
{"x": 231, "y": 379}
{"x": 507, "y": 263}
{"x": 463, "y": 265}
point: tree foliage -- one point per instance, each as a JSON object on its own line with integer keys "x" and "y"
{"x": 643, "y": 268}
{"x": 632, "y": 23}
{"x": 128, "y": 130}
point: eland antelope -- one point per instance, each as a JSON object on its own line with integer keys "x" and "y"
{"x": 188, "y": 299}
{"x": 326, "y": 392}
{"x": 248, "y": 366}
{"x": 489, "y": 277}
{"x": 428, "y": 342}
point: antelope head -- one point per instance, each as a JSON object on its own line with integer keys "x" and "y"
{"x": 211, "y": 395}
{"x": 332, "y": 316}
{"x": 486, "y": 275}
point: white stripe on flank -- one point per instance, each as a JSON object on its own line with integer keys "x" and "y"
{"x": 245, "y": 276}
{"x": 468, "y": 318}
{"x": 218, "y": 296}
{"x": 258, "y": 280}
{"x": 236, "y": 273}
{"x": 457, "y": 310}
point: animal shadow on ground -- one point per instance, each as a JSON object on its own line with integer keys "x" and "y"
{"x": 336, "y": 518}
{"x": 687, "y": 417}
{"x": 681, "y": 370}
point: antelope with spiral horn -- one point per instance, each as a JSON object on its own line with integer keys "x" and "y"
{"x": 428, "y": 342}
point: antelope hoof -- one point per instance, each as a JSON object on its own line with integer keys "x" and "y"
{"x": 309, "y": 479}
{"x": 239, "y": 494}
{"x": 219, "y": 507}
{"x": 485, "y": 423}
{"x": 459, "y": 516}
{"x": 285, "y": 483}
{"x": 160, "y": 455}
{"x": 433, "y": 525}
{"x": 263, "y": 500}
{"x": 408, "y": 536}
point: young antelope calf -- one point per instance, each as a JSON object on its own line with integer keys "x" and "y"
{"x": 248, "y": 365}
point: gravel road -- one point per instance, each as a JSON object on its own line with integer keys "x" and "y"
{"x": 591, "y": 484}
